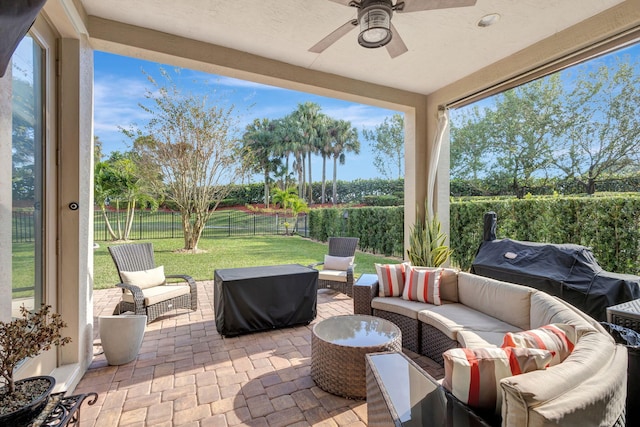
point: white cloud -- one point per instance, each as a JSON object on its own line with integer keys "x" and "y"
{"x": 359, "y": 115}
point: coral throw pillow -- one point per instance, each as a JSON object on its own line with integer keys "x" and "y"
{"x": 558, "y": 338}
{"x": 391, "y": 279}
{"x": 473, "y": 375}
{"x": 422, "y": 284}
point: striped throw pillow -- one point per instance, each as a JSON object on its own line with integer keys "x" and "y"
{"x": 473, "y": 375}
{"x": 558, "y": 338}
{"x": 422, "y": 284}
{"x": 391, "y": 279}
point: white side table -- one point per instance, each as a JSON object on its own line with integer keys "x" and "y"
{"x": 121, "y": 337}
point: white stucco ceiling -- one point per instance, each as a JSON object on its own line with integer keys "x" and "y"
{"x": 443, "y": 45}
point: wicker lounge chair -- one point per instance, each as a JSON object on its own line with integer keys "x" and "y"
{"x": 339, "y": 280}
{"x": 138, "y": 257}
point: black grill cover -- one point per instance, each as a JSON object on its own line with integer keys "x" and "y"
{"x": 568, "y": 271}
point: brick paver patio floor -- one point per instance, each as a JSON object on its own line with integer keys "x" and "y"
{"x": 187, "y": 374}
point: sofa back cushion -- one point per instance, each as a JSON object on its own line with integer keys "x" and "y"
{"x": 546, "y": 309}
{"x": 505, "y": 301}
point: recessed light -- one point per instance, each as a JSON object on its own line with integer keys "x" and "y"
{"x": 488, "y": 20}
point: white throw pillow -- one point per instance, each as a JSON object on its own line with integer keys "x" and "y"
{"x": 145, "y": 278}
{"x": 339, "y": 263}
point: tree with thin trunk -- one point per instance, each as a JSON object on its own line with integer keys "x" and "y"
{"x": 308, "y": 117}
{"x": 194, "y": 146}
{"x": 118, "y": 181}
{"x": 388, "y": 145}
{"x": 344, "y": 139}
{"x": 258, "y": 147}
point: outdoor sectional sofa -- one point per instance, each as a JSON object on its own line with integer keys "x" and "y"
{"x": 588, "y": 388}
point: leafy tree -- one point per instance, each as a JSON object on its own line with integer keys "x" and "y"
{"x": 604, "y": 113}
{"x": 194, "y": 147}
{"x": 97, "y": 150}
{"x": 118, "y": 181}
{"x": 470, "y": 145}
{"x": 521, "y": 129}
{"x": 388, "y": 146}
{"x": 23, "y": 136}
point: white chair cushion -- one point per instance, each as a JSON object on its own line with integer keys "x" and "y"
{"x": 159, "y": 293}
{"x": 333, "y": 275}
{"x": 338, "y": 262}
{"x": 145, "y": 278}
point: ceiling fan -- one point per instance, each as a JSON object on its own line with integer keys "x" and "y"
{"x": 374, "y": 18}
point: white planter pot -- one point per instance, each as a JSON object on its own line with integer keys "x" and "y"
{"x": 121, "y": 337}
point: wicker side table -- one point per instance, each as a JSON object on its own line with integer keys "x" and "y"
{"x": 338, "y": 348}
{"x": 626, "y": 314}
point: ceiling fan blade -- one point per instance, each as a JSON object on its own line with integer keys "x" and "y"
{"x": 342, "y": 2}
{"x": 396, "y": 46}
{"x": 418, "y": 5}
{"x": 334, "y": 36}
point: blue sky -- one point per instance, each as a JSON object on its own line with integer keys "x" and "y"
{"x": 120, "y": 85}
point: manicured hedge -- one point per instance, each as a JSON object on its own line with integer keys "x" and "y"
{"x": 608, "y": 225}
{"x": 380, "y": 229}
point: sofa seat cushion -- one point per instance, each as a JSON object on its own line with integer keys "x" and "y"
{"x": 159, "y": 293}
{"x": 398, "y": 305}
{"x": 480, "y": 339}
{"x": 505, "y": 301}
{"x": 454, "y": 317}
{"x": 333, "y": 275}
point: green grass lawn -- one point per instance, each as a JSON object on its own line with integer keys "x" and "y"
{"x": 229, "y": 252}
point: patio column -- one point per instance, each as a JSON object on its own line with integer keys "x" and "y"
{"x": 75, "y": 169}
{"x": 416, "y": 148}
{"x": 5, "y": 195}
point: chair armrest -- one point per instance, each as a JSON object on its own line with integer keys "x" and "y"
{"x": 192, "y": 285}
{"x": 315, "y": 264}
{"x": 364, "y": 290}
{"x": 138, "y": 296}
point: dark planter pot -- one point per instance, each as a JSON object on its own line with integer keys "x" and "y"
{"x": 25, "y": 414}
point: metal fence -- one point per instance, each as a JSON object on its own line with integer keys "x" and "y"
{"x": 23, "y": 226}
{"x": 167, "y": 225}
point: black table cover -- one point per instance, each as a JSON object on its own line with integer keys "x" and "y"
{"x": 259, "y": 298}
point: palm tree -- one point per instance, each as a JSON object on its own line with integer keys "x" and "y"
{"x": 308, "y": 116}
{"x": 345, "y": 139}
{"x": 325, "y": 149}
{"x": 258, "y": 149}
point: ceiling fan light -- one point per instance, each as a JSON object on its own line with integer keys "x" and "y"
{"x": 375, "y": 25}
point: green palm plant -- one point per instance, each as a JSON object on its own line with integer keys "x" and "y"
{"x": 427, "y": 243}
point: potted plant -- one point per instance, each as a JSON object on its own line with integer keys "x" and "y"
{"x": 427, "y": 243}
{"x": 23, "y": 337}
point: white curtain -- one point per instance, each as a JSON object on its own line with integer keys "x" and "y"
{"x": 443, "y": 122}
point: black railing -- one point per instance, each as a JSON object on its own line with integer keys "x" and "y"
{"x": 168, "y": 225}
{"x": 23, "y": 226}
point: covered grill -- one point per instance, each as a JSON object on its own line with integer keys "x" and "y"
{"x": 568, "y": 271}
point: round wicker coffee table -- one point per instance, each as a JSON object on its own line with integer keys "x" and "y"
{"x": 338, "y": 346}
